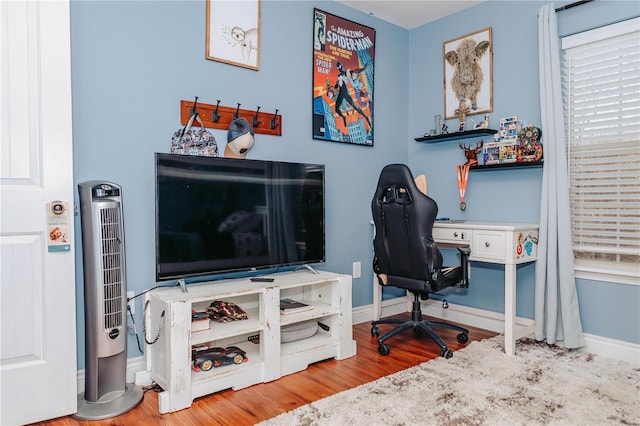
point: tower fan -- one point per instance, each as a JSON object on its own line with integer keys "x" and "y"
{"x": 106, "y": 392}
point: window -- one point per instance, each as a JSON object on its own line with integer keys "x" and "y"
{"x": 601, "y": 85}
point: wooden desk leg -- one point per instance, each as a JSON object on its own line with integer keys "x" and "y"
{"x": 509, "y": 308}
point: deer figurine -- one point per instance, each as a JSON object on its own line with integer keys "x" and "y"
{"x": 471, "y": 153}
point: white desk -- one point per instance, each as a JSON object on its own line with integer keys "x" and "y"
{"x": 509, "y": 244}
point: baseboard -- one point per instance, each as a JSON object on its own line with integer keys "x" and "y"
{"x": 610, "y": 348}
{"x": 134, "y": 366}
{"x": 488, "y": 320}
{"x": 480, "y": 318}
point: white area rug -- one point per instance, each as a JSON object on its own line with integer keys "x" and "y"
{"x": 480, "y": 385}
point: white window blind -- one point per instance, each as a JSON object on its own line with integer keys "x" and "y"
{"x": 601, "y": 83}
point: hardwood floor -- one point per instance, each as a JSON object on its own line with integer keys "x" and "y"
{"x": 263, "y": 401}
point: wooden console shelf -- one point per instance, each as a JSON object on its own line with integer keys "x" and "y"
{"x": 168, "y": 360}
{"x": 467, "y": 134}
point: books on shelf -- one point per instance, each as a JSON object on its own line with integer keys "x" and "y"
{"x": 290, "y": 306}
{"x": 199, "y": 321}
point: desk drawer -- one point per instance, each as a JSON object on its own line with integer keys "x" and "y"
{"x": 452, "y": 235}
{"x": 488, "y": 245}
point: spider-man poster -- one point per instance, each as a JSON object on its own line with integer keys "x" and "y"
{"x": 343, "y": 66}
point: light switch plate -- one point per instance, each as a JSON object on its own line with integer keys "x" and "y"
{"x": 357, "y": 273}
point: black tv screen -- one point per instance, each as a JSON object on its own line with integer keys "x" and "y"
{"x": 218, "y": 215}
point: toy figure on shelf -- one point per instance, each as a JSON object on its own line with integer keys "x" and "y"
{"x": 462, "y": 111}
{"x": 483, "y": 124}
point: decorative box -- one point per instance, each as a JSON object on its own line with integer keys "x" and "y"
{"x": 509, "y": 128}
{"x": 199, "y": 321}
{"x": 491, "y": 152}
{"x": 508, "y": 151}
{"x": 529, "y": 146}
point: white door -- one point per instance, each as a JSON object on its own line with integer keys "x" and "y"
{"x": 37, "y": 299}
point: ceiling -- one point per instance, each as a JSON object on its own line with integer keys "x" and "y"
{"x": 409, "y": 14}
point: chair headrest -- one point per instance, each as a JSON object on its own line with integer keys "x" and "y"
{"x": 396, "y": 184}
{"x": 395, "y": 174}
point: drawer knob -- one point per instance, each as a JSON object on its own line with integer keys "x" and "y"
{"x": 455, "y": 234}
{"x": 487, "y": 244}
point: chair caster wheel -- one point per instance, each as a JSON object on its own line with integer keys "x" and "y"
{"x": 384, "y": 349}
{"x": 375, "y": 331}
{"x": 462, "y": 338}
{"x": 445, "y": 304}
{"x": 445, "y": 353}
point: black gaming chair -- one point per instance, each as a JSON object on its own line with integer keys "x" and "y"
{"x": 406, "y": 256}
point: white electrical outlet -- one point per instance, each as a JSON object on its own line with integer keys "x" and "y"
{"x": 131, "y": 303}
{"x": 357, "y": 273}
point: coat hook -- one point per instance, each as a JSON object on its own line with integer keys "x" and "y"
{"x": 274, "y": 125}
{"x": 194, "y": 111}
{"x": 216, "y": 116}
{"x": 256, "y": 122}
{"x": 237, "y": 114}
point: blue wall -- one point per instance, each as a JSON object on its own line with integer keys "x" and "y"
{"x": 607, "y": 309}
{"x": 133, "y": 61}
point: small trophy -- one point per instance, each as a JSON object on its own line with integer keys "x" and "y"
{"x": 438, "y": 122}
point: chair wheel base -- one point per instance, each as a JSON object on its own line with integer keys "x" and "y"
{"x": 384, "y": 349}
{"x": 462, "y": 338}
{"x": 446, "y": 353}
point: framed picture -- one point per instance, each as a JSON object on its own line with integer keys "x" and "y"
{"x": 343, "y": 68}
{"x": 468, "y": 74}
{"x": 233, "y": 32}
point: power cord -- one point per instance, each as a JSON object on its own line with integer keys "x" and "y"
{"x": 148, "y": 290}
{"x": 135, "y": 332}
{"x": 144, "y": 314}
{"x": 153, "y": 386}
{"x": 144, "y": 326}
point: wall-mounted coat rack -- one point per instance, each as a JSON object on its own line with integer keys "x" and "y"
{"x": 219, "y": 117}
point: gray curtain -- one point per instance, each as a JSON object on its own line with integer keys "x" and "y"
{"x": 557, "y": 314}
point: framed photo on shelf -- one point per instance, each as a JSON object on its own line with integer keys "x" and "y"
{"x": 343, "y": 69}
{"x": 470, "y": 56}
{"x": 233, "y": 32}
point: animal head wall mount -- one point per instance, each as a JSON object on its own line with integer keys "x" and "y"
{"x": 471, "y": 154}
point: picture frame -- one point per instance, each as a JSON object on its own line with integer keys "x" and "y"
{"x": 458, "y": 55}
{"x": 233, "y": 32}
{"x": 343, "y": 79}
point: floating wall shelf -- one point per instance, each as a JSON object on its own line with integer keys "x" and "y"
{"x": 467, "y": 134}
{"x": 519, "y": 165}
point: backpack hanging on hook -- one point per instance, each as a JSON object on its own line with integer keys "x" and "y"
{"x": 199, "y": 141}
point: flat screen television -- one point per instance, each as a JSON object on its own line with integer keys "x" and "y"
{"x": 217, "y": 215}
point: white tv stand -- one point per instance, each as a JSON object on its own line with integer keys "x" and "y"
{"x": 168, "y": 360}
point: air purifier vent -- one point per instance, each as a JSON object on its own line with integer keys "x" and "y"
{"x": 111, "y": 256}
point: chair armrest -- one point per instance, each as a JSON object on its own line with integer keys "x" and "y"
{"x": 464, "y": 265}
{"x": 465, "y": 250}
